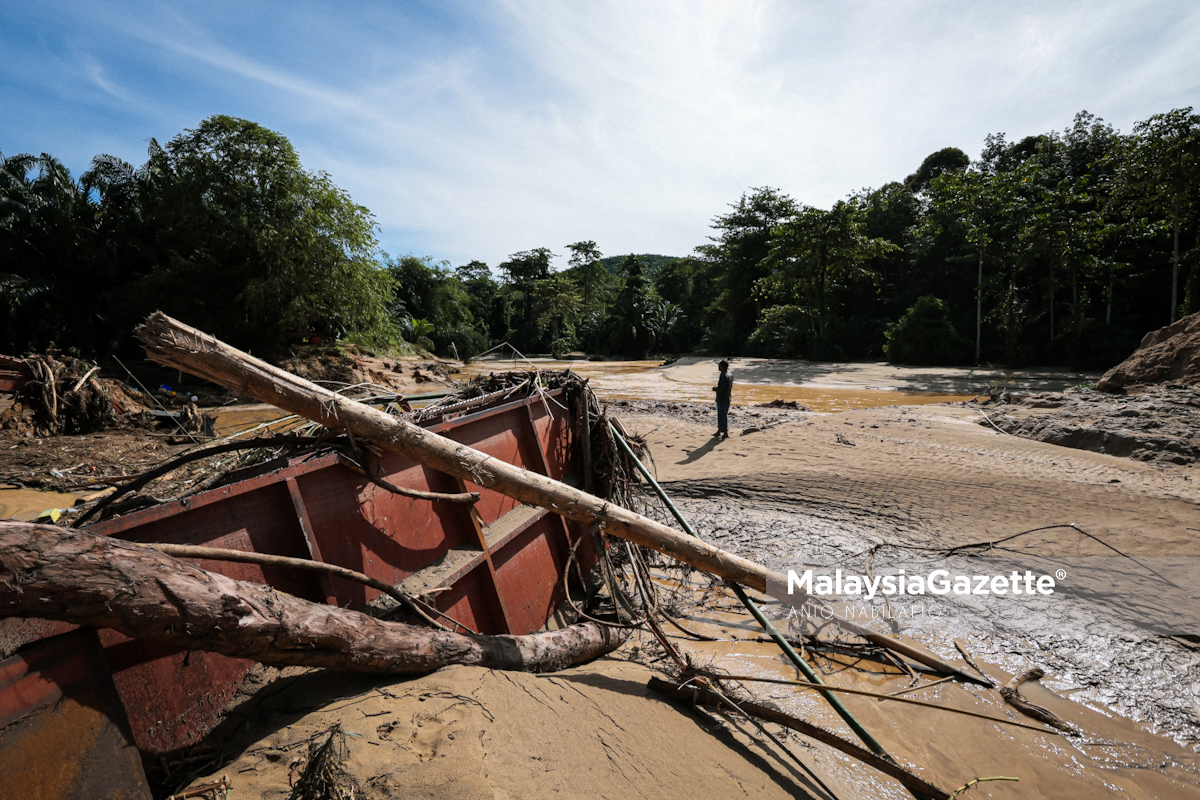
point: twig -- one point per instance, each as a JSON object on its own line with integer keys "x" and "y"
{"x": 826, "y": 687}
{"x": 266, "y": 559}
{"x": 957, "y": 792}
{"x": 919, "y": 688}
{"x": 203, "y": 789}
{"x": 194, "y": 455}
{"x": 449, "y": 497}
{"x": 962, "y": 649}
{"x": 172, "y": 417}
{"x": 989, "y": 419}
{"x": 1011, "y": 692}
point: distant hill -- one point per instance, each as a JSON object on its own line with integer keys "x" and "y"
{"x": 653, "y": 263}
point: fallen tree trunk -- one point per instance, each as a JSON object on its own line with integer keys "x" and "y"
{"x": 74, "y": 576}
{"x": 173, "y": 344}
{"x": 703, "y": 695}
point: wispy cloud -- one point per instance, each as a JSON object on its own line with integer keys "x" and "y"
{"x": 473, "y": 131}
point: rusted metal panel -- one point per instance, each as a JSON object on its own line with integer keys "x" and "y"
{"x": 555, "y": 432}
{"x": 63, "y": 734}
{"x": 14, "y": 374}
{"x": 366, "y": 528}
{"x": 473, "y": 601}
{"x": 317, "y": 508}
{"x": 529, "y": 570}
{"x": 172, "y": 697}
{"x": 504, "y": 436}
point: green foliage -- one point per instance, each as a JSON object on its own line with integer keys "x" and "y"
{"x": 738, "y": 260}
{"x": 785, "y": 331}
{"x": 254, "y": 246}
{"x": 924, "y": 336}
{"x": 1061, "y": 248}
{"x": 222, "y": 228}
{"x": 630, "y": 318}
{"x": 949, "y": 159}
{"x": 815, "y": 254}
{"x": 557, "y": 306}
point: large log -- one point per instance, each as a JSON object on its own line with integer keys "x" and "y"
{"x": 173, "y": 344}
{"x": 74, "y": 576}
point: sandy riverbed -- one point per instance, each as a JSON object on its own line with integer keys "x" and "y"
{"x": 817, "y": 385}
{"x": 803, "y": 489}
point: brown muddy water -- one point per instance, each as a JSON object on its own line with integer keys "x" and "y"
{"x": 27, "y": 504}
{"x": 649, "y": 380}
{"x": 623, "y": 380}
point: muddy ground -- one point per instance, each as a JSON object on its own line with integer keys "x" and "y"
{"x": 789, "y": 488}
{"x": 897, "y": 485}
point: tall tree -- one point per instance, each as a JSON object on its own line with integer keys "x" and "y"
{"x": 1163, "y": 169}
{"x": 813, "y": 254}
{"x": 253, "y": 247}
{"x": 631, "y": 316}
{"x": 588, "y": 272}
{"x": 522, "y": 271}
{"x": 737, "y": 254}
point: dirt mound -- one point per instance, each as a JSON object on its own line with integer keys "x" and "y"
{"x": 1158, "y": 424}
{"x": 1167, "y": 354}
{"x": 347, "y": 365}
{"x": 781, "y": 403}
{"x": 65, "y": 395}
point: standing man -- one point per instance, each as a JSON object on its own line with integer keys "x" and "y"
{"x": 724, "y": 390}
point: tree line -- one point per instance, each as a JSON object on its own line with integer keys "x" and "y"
{"x": 1062, "y": 249}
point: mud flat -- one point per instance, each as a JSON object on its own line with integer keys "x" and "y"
{"x": 817, "y": 385}
{"x": 903, "y": 486}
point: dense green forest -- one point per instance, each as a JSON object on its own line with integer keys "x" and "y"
{"x": 1058, "y": 249}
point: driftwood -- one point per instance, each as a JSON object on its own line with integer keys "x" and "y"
{"x": 703, "y": 695}
{"x": 74, "y": 576}
{"x": 1011, "y": 692}
{"x": 173, "y": 344}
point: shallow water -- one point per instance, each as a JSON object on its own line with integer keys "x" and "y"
{"x": 27, "y": 504}
{"x": 649, "y": 380}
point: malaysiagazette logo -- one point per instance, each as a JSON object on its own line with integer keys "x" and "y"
{"x": 937, "y": 582}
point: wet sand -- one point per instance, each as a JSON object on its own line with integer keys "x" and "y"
{"x": 826, "y": 489}
{"x": 820, "y": 386}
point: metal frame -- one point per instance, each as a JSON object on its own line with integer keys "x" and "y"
{"x": 500, "y": 565}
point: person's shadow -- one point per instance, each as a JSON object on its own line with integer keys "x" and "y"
{"x": 702, "y": 450}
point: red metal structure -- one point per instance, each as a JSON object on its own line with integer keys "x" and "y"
{"x": 14, "y": 374}
{"x": 500, "y": 565}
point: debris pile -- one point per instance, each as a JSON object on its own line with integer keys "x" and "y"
{"x": 1167, "y": 354}
{"x": 67, "y": 396}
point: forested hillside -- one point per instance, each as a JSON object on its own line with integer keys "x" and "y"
{"x": 1058, "y": 249}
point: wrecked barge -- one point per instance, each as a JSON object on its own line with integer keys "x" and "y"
{"x": 495, "y": 566}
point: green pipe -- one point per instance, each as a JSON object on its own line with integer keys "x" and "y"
{"x": 750, "y": 605}
{"x": 426, "y": 396}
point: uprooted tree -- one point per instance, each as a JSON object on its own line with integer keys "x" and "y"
{"x": 75, "y": 576}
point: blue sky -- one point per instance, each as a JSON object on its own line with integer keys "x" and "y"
{"x": 477, "y": 129}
